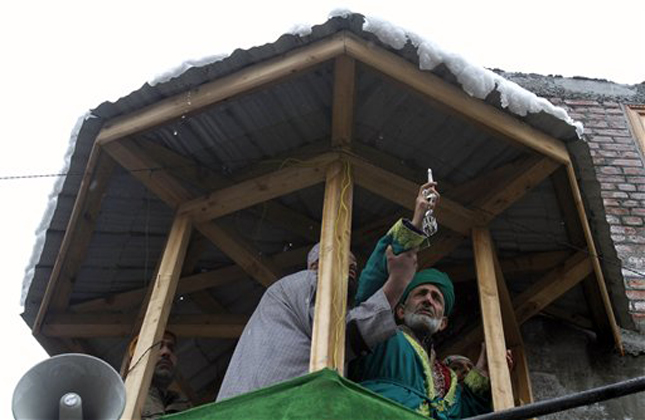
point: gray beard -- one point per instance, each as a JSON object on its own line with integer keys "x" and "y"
{"x": 417, "y": 322}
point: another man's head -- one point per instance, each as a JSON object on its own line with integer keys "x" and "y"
{"x": 426, "y": 302}
{"x": 352, "y": 277}
{"x": 166, "y": 362}
{"x": 166, "y": 365}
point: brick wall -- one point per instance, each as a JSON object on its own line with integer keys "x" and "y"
{"x": 619, "y": 168}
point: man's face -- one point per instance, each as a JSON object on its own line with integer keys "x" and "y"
{"x": 167, "y": 361}
{"x": 423, "y": 310}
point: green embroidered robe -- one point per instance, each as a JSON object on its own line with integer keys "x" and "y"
{"x": 399, "y": 368}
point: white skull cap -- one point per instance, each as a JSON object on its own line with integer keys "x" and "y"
{"x": 313, "y": 255}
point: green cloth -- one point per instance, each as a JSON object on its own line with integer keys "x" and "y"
{"x": 321, "y": 395}
{"x": 439, "y": 279}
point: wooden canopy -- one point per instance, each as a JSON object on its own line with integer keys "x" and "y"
{"x": 198, "y": 193}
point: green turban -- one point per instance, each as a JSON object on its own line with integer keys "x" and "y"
{"x": 439, "y": 279}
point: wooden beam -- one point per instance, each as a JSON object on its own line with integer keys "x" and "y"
{"x": 250, "y": 260}
{"x": 151, "y": 174}
{"x": 576, "y": 235}
{"x": 189, "y": 284}
{"x": 241, "y": 82}
{"x": 526, "y": 177}
{"x": 342, "y": 127}
{"x": 258, "y": 190}
{"x": 146, "y": 351}
{"x": 77, "y": 235}
{"x": 536, "y": 297}
{"x": 489, "y": 301}
{"x": 520, "y": 374}
{"x": 455, "y": 99}
{"x": 591, "y": 246}
{"x": 328, "y": 337}
{"x": 403, "y": 191}
{"x": 515, "y": 187}
{"x": 96, "y": 325}
{"x": 526, "y": 263}
{"x": 188, "y": 170}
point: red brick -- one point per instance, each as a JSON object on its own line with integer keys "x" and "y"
{"x": 610, "y": 170}
{"x": 612, "y": 220}
{"x": 611, "y": 104}
{"x": 633, "y": 171}
{"x": 636, "y": 294}
{"x": 629, "y": 203}
{"x": 613, "y": 178}
{"x": 618, "y": 146}
{"x": 613, "y": 132}
{"x": 613, "y": 194}
{"x": 576, "y": 103}
{"x": 636, "y": 212}
{"x": 619, "y": 211}
{"x": 635, "y": 180}
{"x": 638, "y": 284}
{"x": 632, "y": 220}
{"x": 637, "y": 196}
{"x": 615, "y": 111}
{"x": 607, "y": 186}
{"x": 608, "y": 202}
{"x": 627, "y": 187}
{"x": 607, "y": 153}
{"x": 601, "y": 139}
{"x": 637, "y": 306}
{"x": 625, "y": 162}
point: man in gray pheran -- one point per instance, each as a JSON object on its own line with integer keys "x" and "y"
{"x": 276, "y": 343}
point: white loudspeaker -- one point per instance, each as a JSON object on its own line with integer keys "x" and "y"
{"x": 69, "y": 384}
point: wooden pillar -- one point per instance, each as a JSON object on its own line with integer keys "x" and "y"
{"x": 600, "y": 279}
{"x": 154, "y": 323}
{"x": 328, "y": 340}
{"x": 520, "y": 374}
{"x": 489, "y": 301}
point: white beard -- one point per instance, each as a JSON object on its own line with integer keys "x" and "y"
{"x": 422, "y": 322}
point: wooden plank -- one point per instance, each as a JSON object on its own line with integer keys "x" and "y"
{"x": 189, "y": 284}
{"x": 77, "y": 235}
{"x": 489, "y": 301}
{"x": 342, "y": 117}
{"x": 520, "y": 377}
{"x": 402, "y": 191}
{"x": 576, "y": 237}
{"x": 249, "y": 259}
{"x": 188, "y": 170}
{"x": 96, "y": 325}
{"x": 138, "y": 380}
{"x": 328, "y": 337}
{"x": 527, "y": 263}
{"x": 258, "y": 190}
{"x": 535, "y": 298}
{"x": 636, "y": 117}
{"x": 591, "y": 246}
{"x": 515, "y": 187}
{"x": 455, "y": 99}
{"x": 241, "y": 82}
{"x": 149, "y": 172}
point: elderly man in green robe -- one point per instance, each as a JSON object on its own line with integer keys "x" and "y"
{"x": 405, "y": 367}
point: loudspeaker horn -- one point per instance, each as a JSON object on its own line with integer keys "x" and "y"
{"x": 52, "y": 386}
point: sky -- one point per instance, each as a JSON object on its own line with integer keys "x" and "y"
{"x": 63, "y": 58}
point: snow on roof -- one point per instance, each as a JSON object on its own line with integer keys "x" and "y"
{"x": 475, "y": 80}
